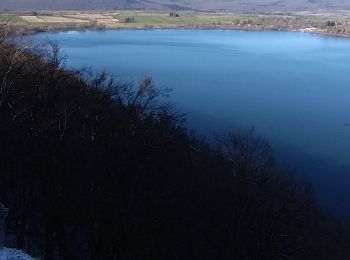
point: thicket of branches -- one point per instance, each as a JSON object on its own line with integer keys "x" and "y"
{"x": 96, "y": 169}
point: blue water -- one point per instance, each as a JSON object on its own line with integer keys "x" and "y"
{"x": 294, "y": 88}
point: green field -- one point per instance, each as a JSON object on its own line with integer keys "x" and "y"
{"x": 10, "y": 18}
{"x": 164, "y": 20}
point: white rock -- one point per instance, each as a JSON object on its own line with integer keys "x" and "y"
{"x": 13, "y": 254}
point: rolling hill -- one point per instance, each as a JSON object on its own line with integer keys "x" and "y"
{"x": 194, "y": 5}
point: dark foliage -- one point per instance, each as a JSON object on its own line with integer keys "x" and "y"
{"x": 96, "y": 169}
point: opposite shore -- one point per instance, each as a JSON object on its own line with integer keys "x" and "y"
{"x": 324, "y": 23}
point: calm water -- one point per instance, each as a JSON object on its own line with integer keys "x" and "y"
{"x": 294, "y": 88}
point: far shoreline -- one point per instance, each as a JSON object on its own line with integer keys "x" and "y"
{"x": 31, "y": 23}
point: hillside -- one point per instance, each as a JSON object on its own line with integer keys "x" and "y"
{"x": 195, "y": 5}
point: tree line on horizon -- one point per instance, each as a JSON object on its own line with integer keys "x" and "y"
{"x": 95, "y": 168}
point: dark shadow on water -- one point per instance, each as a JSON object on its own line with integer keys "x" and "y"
{"x": 330, "y": 180}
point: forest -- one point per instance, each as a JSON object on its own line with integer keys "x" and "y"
{"x": 93, "y": 167}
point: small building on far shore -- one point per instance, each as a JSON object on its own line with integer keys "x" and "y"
{"x": 174, "y": 14}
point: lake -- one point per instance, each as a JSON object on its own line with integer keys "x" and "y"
{"x": 294, "y": 88}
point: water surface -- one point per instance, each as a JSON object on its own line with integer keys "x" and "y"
{"x": 294, "y": 88}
